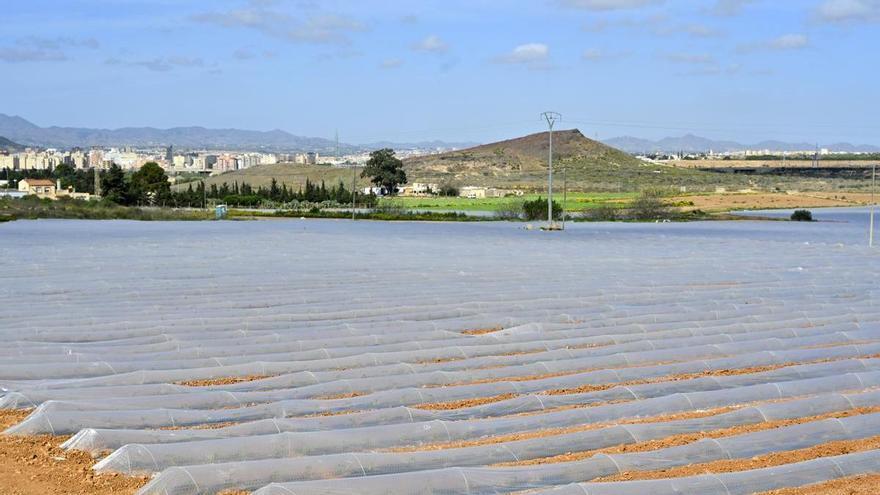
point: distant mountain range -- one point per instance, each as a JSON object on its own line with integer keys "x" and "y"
{"x": 6, "y": 144}
{"x": 29, "y": 134}
{"x": 23, "y": 132}
{"x": 690, "y": 143}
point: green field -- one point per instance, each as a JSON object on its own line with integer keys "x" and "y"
{"x": 576, "y": 201}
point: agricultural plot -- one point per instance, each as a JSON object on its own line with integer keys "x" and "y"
{"x": 331, "y": 357}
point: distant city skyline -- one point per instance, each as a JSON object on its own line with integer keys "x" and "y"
{"x": 745, "y": 70}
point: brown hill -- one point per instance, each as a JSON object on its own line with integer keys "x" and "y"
{"x": 522, "y": 162}
{"x": 524, "y": 154}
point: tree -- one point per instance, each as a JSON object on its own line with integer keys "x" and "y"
{"x": 66, "y": 174}
{"x": 802, "y": 216}
{"x": 113, "y": 186}
{"x": 448, "y": 190}
{"x": 149, "y": 185}
{"x": 385, "y": 170}
{"x": 536, "y": 209}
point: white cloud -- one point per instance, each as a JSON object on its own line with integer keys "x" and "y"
{"x": 598, "y": 54}
{"x": 781, "y": 43}
{"x": 22, "y": 54}
{"x": 431, "y": 44}
{"x": 391, "y": 63}
{"x": 602, "y": 5}
{"x": 39, "y": 49}
{"x": 248, "y": 53}
{"x": 700, "y": 31}
{"x": 160, "y": 64}
{"x": 593, "y": 54}
{"x": 849, "y": 11}
{"x": 690, "y": 58}
{"x": 319, "y": 29}
{"x": 532, "y": 55}
{"x": 789, "y": 42}
{"x": 728, "y": 8}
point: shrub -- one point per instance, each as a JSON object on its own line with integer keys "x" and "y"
{"x": 390, "y": 207}
{"x": 537, "y": 209}
{"x": 601, "y": 213}
{"x": 512, "y": 210}
{"x": 649, "y": 205}
{"x": 802, "y": 216}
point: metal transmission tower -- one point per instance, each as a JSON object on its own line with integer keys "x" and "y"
{"x": 551, "y": 118}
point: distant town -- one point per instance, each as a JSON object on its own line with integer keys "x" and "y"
{"x": 209, "y": 162}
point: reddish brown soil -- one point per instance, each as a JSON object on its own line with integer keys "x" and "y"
{"x": 225, "y": 380}
{"x": 203, "y": 426}
{"x": 458, "y": 404}
{"x": 868, "y": 484}
{"x": 558, "y": 431}
{"x": 35, "y": 465}
{"x": 481, "y": 331}
{"x": 683, "y": 439}
{"x": 346, "y": 395}
{"x": 774, "y": 459}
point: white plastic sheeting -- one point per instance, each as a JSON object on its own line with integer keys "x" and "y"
{"x": 360, "y": 324}
{"x": 505, "y": 480}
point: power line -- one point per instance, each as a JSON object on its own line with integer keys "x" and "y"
{"x": 551, "y": 118}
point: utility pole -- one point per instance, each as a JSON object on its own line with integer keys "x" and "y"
{"x": 353, "y": 189}
{"x": 551, "y": 118}
{"x": 564, "y": 192}
{"x": 873, "y": 203}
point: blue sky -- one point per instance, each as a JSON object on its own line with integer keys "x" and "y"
{"x": 474, "y": 70}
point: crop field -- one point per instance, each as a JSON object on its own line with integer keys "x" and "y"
{"x": 325, "y": 357}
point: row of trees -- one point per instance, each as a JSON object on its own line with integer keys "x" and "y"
{"x": 83, "y": 180}
{"x": 149, "y": 186}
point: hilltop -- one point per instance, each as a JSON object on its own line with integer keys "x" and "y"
{"x": 522, "y": 162}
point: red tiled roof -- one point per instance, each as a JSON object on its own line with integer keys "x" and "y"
{"x": 40, "y": 182}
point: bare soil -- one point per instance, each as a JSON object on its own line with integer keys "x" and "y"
{"x": 559, "y": 431}
{"x": 459, "y": 404}
{"x": 768, "y": 460}
{"x": 225, "y": 380}
{"x": 752, "y": 201}
{"x": 668, "y": 378}
{"x": 868, "y": 484}
{"x": 481, "y": 331}
{"x": 345, "y": 395}
{"x": 478, "y": 401}
{"x": 36, "y": 465}
{"x": 683, "y": 439}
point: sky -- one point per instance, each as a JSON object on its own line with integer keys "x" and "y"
{"x": 455, "y": 70}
